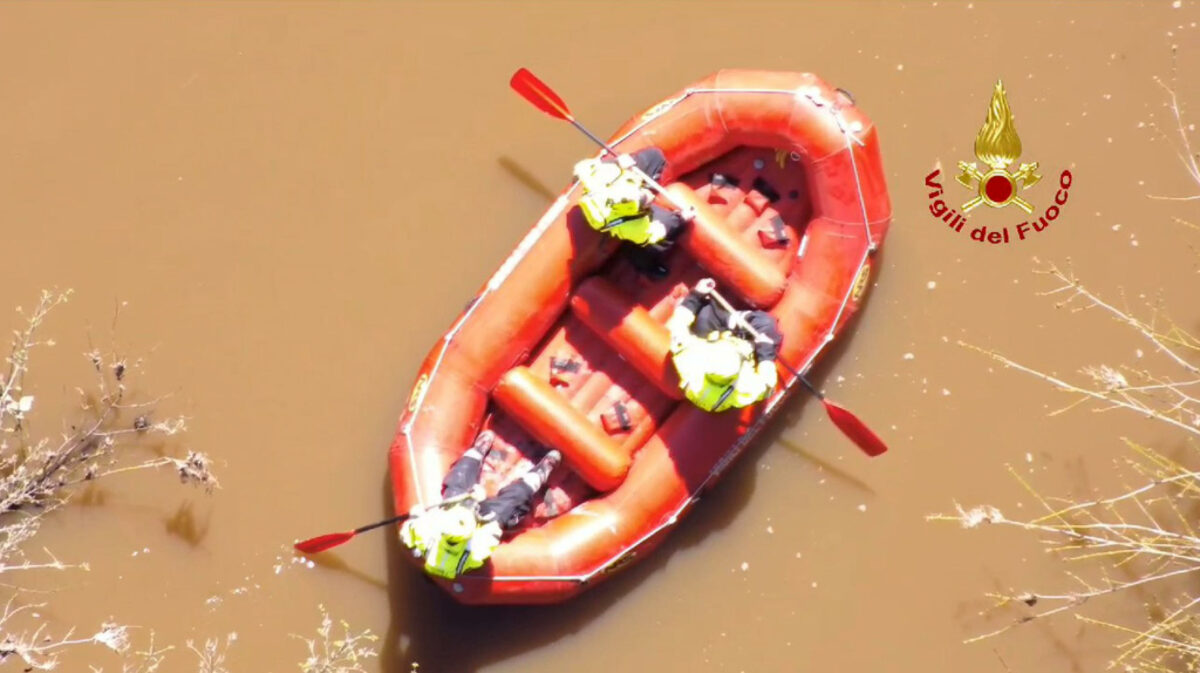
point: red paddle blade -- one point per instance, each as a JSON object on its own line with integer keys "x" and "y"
{"x": 323, "y": 542}
{"x": 856, "y": 430}
{"x": 543, "y": 97}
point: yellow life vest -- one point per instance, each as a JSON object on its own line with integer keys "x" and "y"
{"x": 611, "y": 203}
{"x": 452, "y": 540}
{"x": 449, "y": 559}
{"x": 710, "y": 396}
{"x": 691, "y": 361}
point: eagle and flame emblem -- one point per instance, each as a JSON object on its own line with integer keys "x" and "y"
{"x": 998, "y": 146}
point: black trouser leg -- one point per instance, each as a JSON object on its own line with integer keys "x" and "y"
{"x": 515, "y": 500}
{"x": 463, "y": 474}
{"x": 510, "y": 505}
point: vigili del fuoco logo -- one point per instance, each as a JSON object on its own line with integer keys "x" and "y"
{"x": 997, "y": 147}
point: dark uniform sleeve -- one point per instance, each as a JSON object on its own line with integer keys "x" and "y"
{"x": 766, "y": 325}
{"x": 693, "y": 301}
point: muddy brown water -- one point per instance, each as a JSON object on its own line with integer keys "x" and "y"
{"x": 296, "y": 201}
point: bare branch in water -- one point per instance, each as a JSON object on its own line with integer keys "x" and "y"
{"x": 211, "y": 656}
{"x": 106, "y": 436}
{"x": 1144, "y": 535}
{"x": 1184, "y": 150}
{"x": 1146, "y": 530}
{"x": 330, "y": 653}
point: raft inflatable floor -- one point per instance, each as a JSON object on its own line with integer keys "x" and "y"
{"x": 762, "y": 195}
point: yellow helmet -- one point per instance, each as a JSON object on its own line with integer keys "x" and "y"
{"x": 722, "y": 361}
{"x": 458, "y": 524}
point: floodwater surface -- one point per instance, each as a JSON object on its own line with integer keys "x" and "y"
{"x": 295, "y": 201}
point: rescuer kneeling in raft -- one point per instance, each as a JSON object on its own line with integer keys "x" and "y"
{"x": 719, "y": 366}
{"x": 617, "y": 201}
{"x": 460, "y": 534}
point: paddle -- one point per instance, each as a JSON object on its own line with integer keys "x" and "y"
{"x": 330, "y": 540}
{"x": 543, "y": 98}
{"x": 848, "y": 423}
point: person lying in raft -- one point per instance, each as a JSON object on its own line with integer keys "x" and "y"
{"x": 617, "y": 201}
{"x": 461, "y": 533}
{"x": 720, "y": 364}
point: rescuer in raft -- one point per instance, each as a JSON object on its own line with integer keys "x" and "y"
{"x": 459, "y": 537}
{"x": 720, "y": 364}
{"x": 617, "y": 201}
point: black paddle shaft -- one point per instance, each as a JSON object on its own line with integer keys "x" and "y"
{"x": 395, "y": 519}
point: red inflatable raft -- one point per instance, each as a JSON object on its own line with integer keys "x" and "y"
{"x": 565, "y": 346}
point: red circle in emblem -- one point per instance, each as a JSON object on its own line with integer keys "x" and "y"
{"x": 999, "y": 188}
